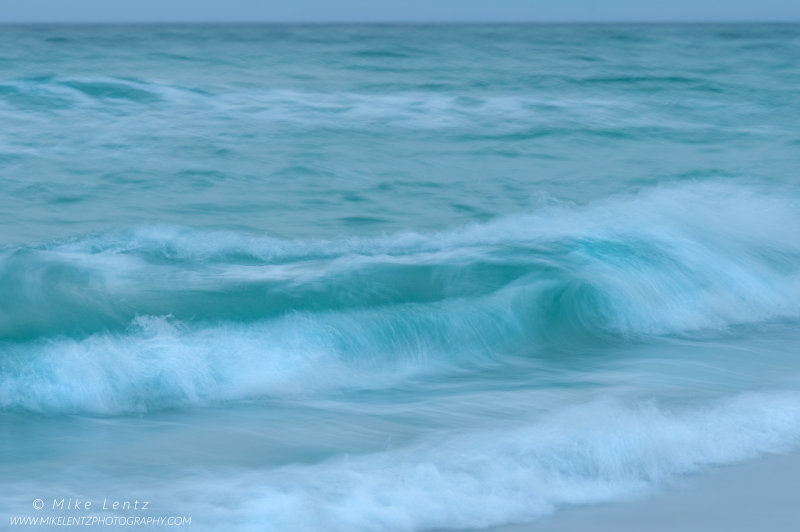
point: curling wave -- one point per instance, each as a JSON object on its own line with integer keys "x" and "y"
{"x": 171, "y": 316}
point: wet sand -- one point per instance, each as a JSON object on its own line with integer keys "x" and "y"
{"x": 759, "y": 495}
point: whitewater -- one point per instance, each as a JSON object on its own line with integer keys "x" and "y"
{"x": 393, "y": 277}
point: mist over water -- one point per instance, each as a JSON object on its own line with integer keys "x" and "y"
{"x": 393, "y": 277}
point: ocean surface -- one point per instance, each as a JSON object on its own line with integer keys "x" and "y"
{"x": 434, "y": 277}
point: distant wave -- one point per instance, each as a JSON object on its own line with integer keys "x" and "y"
{"x": 415, "y": 107}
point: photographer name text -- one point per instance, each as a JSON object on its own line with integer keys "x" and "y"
{"x": 78, "y": 505}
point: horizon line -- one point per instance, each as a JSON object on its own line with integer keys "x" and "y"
{"x": 394, "y": 23}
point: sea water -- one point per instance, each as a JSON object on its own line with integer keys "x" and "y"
{"x": 391, "y": 277}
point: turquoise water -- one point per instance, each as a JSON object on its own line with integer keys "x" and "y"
{"x": 393, "y": 277}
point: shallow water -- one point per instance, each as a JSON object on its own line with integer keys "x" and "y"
{"x": 392, "y": 277}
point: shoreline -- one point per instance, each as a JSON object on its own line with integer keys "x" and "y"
{"x": 759, "y": 494}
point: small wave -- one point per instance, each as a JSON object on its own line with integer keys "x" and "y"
{"x": 59, "y": 94}
{"x": 477, "y": 481}
{"x": 113, "y": 90}
{"x": 421, "y": 106}
{"x": 587, "y": 452}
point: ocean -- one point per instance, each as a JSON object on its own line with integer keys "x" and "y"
{"x": 391, "y": 277}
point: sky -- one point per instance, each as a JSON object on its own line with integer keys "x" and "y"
{"x": 398, "y": 10}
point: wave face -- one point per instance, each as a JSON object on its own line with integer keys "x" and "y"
{"x": 393, "y": 278}
{"x": 164, "y": 317}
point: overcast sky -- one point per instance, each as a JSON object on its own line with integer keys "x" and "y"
{"x": 396, "y": 10}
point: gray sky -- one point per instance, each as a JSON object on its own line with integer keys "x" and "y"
{"x": 395, "y": 10}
